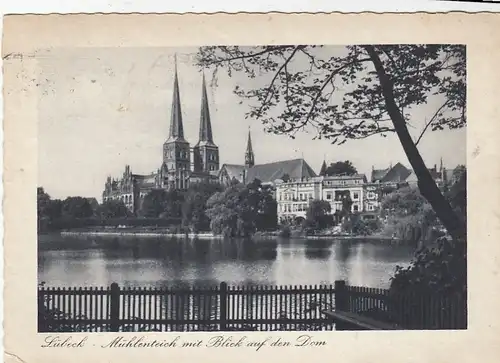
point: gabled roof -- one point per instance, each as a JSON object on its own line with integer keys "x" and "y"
{"x": 266, "y": 173}
{"x": 378, "y": 174}
{"x": 397, "y": 173}
{"x": 394, "y": 174}
{"x": 233, "y": 171}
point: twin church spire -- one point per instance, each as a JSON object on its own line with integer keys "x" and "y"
{"x": 177, "y": 152}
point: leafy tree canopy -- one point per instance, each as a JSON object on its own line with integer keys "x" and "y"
{"x": 354, "y": 92}
{"x": 112, "y": 209}
{"x": 336, "y": 89}
{"x": 341, "y": 168}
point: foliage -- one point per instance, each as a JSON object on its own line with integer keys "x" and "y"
{"x": 435, "y": 269}
{"x": 318, "y": 215}
{"x": 306, "y": 77}
{"x": 239, "y": 211}
{"x": 341, "y": 168}
{"x": 440, "y": 267}
{"x": 112, "y": 209}
{"x": 195, "y": 204}
{"x": 409, "y": 217}
{"x": 354, "y": 92}
{"x": 50, "y": 210}
{"x": 77, "y": 207}
{"x": 162, "y": 203}
{"x": 404, "y": 202}
{"x": 457, "y": 193}
{"x": 358, "y": 226}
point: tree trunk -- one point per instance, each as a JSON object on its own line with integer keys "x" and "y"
{"x": 426, "y": 183}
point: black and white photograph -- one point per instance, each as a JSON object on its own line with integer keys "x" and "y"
{"x": 252, "y": 188}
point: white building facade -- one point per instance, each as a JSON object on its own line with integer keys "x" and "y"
{"x": 293, "y": 197}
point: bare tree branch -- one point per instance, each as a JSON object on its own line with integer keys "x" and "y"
{"x": 433, "y": 118}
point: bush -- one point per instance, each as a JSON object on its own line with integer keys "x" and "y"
{"x": 435, "y": 269}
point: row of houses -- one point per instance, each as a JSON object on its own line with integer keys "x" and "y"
{"x": 293, "y": 196}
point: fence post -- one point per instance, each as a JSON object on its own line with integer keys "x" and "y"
{"x": 42, "y": 326}
{"x": 114, "y": 311}
{"x": 223, "y": 306}
{"x": 341, "y": 301}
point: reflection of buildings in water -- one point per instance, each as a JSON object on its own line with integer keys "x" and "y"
{"x": 318, "y": 249}
{"x": 360, "y": 265}
{"x": 343, "y": 251}
{"x": 58, "y": 268}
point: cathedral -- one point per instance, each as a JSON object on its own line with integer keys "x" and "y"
{"x": 181, "y": 165}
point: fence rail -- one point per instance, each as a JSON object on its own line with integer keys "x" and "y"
{"x": 224, "y": 308}
{"x": 238, "y": 308}
{"x": 422, "y": 311}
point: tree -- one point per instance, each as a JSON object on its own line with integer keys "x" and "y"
{"x": 153, "y": 203}
{"x": 112, "y": 209}
{"x": 239, "y": 211}
{"x": 226, "y": 213}
{"x": 195, "y": 205}
{"x": 159, "y": 203}
{"x": 172, "y": 205}
{"x": 410, "y": 217}
{"x": 341, "y": 168}
{"x": 77, "y": 207}
{"x": 355, "y": 92}
{"x": 318, "y": 214}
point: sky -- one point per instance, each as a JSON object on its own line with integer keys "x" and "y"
{"x": 103, "y": 108}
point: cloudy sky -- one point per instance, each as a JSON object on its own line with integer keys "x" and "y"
{"x": 100, "y": 109}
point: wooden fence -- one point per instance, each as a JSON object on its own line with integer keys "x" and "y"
{"x": 236, "y": 308}
{"x": 404, "y": 310}
{"x": 223, "y": 308}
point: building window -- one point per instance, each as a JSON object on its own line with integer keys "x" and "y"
{"x": 355, "y": 207}
{"x": 355, "y": 195}
{"x": 328, "y": 196}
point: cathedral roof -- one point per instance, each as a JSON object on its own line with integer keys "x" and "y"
{"x": 234, "y": 171}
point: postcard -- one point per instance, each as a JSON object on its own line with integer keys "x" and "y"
{"x": 237, "y": 187}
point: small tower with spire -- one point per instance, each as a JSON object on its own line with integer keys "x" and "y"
{"x": 249, "y": 156}
{"x": 176, "y": 150}
{"x": 205, "y": 152}
{"x": 322, "y": 172}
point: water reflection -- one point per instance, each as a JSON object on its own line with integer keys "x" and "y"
{"x": 166, "y": 262}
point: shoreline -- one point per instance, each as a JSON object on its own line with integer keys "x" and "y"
{"x": 213, "y": 236}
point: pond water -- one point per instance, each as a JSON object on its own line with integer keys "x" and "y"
{"x": 169, "y": 262}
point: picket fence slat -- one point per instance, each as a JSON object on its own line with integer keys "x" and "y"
{"x": 227, "y": 308}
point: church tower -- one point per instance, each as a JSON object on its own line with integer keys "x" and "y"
{"x": 205, "y": 152}
{"x": 249, "y": 157}
{"x": 176, "y": 150}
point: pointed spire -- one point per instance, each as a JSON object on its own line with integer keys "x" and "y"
{"x": 249, "y": 157}
{"x": 176, "y": 127}
{"x": 441, "y": 164}
{"x": 205, "y": 124}
{"x": 322, "y": 172}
